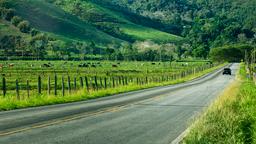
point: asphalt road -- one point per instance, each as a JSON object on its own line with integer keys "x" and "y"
{"x": 152, "y": 116}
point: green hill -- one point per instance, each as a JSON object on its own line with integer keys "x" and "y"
{"x": 100, "y": 25}
{"x": 49, "y": 18}
{"x": 6, "y": 28}
{"x": 204, "y": 23}
{"x": 116, "y": 23}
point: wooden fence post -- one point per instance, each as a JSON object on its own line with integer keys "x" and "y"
{"x": 119, "y": 80}
{"x": 28, "y": 88}
{"x": 63, "y": 86}
{"x": 113, "y": 82}
{"x": 87, "y": 84}
{"x": 105, "y": 83}
{"x": 122, "y": 77}
{"x": 55, "y": 84}
{"x": 69, "y": 85}
{"x": 39, "y": 85}
{"x": 101, "y": 83}
{"x": 126, "y": 80}
{"x": 49, "y": 85}
{"x": 4, "y": 86}
{"x": 17, "y": 90}
{"x": 96, "y": 82}
{"x": 81, "y": 82}
{"x": 74, "y": 83}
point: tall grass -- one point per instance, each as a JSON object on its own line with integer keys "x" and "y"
{"x": 231, "y": 119}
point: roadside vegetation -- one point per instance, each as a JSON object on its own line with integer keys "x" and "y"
{"x": 62, "y": 82}
{"x": 231, "y": 118}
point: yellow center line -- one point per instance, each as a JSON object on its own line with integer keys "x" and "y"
{"x": 74, "y": 117}
{"x": 66, "y": 119}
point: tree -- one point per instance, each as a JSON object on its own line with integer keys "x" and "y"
{"x": 16, "y": 20}
{"x": 230, "y": 53}
{"x": 127, "y": 51}
{"x": 8, "y": 44}
{"x": 5, "y": 3}
{"x": 38, "y": 45}
{"x": 83, "y": 49}
{"x": 58, "y": 48}
{"x": 149, "y": 55}
{"x": 8, "y": 14}
{"x": 24, "y": 26}
{"x": 1, "y": 13}
{"x": 92, "y": 47}
{"x": 34, "y": 32}
{"x": 232, "y": 31}
{"x": 201, "y": 52}
{"x": 109, "y": 53}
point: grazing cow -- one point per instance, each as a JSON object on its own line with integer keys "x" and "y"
{"x": 153, "y": 63}
{"x": 114, "y": 66}
{"x": 1, "y": 66}
{"x": 11, "y": 65}
{"x": 46, "y": 65}
{"x": 83, "y": 65}
{"x": 94, "y": 66}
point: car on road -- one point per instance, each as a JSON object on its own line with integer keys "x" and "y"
{"x": 226, "y": 71}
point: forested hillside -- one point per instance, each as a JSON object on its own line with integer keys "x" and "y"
{"x": 113, "y": 29}
{"x": 67, "y": 28}
{"x": 206, "y": 23}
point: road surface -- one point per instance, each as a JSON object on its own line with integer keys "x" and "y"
{"x": 153, "y": 116}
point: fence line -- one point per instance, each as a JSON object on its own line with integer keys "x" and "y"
{"x": 93, "y": 83}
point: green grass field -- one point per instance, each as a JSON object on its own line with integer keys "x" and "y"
{"x": 230, "y": 119}
{"x": 103, "y": 78}
{"x": 144, "y": 33}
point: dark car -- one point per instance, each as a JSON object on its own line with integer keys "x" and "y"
{"x": 227, "y": 71}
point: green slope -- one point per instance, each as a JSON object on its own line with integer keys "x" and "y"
{"x": 7, "y": 29}
{"x": 114, "y": 22}
{"x": 103, "y": 25}
{"x": 49, "y": 18}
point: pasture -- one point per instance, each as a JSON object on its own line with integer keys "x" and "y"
{"x": 33, "y": 83}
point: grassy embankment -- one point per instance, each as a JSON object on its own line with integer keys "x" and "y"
{"x": 231, "y": 118}
{"x": 11, "y": 102}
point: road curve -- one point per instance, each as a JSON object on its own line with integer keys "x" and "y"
{"x": 151, "y": 116}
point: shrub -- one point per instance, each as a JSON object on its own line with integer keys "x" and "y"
{"x": 16, "y": 20}
{"x": 8, "y": 14}
{"x": 24, "y": 26}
